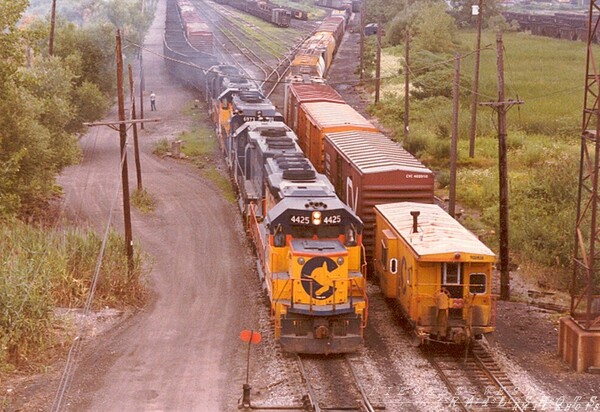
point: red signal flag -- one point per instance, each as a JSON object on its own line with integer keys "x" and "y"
{"x": 250, "y": 336}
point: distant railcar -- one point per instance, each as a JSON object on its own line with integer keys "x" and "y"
{"x": 334, "y": 4}
{"x": 276, "y": 15}
{"x": 439, "y": 273}
{"x": 177, "y": 48}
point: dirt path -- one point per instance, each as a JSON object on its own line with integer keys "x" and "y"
{"x": 182, "y": 351}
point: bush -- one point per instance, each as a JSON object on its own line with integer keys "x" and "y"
{"x": 416, "y": 143}
{"x": 443, "y": 179}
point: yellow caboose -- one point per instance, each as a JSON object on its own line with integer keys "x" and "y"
{"x": 439, "y": 273}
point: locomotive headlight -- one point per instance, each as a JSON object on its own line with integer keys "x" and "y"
{"x": 301, "y": 260}
{"x": 316, "y": 218}
{"x": 340, "y": 261}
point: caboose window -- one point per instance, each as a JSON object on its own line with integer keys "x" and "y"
{"x": 477, "y": 283}
{"x": 393, "y": 266}
{"x": 451, "y": 273}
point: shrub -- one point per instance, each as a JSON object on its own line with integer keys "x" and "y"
{"x": 443, "y": 179}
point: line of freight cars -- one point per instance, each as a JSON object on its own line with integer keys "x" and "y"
{"x": 441, "y": 275}
{"x": 178, "y": 44}
{"x": 277, "y": 15}
{"x": 568, "y": 26}
{"x": 313, "y": 59}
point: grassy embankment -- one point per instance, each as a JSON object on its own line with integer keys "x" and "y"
{"x": 201, "y": 148}
{"x": 44, "y": 269}
{"x": 543, "y": 142}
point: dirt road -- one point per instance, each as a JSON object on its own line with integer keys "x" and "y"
{"x": 182, "y": 352}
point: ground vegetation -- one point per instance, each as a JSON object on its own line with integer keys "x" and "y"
{"x": 45, "y": 100}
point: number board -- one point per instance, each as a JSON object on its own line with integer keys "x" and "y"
{"x": 326, "y": 219}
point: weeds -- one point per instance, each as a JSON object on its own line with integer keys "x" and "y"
{"x": 44, "y": 269}
{"x": 143, "y": 201}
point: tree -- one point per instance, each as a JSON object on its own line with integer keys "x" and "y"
{"x": 34, "y": 110}
{"x": 435, "y": 29}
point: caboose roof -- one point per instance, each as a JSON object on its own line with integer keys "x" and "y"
{"x": 438, "y": 233}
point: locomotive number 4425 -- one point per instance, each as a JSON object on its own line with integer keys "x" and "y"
{"x": 332, "y": 220}
{"x": 300, "y": 220}
{"x": 306, "y": 220}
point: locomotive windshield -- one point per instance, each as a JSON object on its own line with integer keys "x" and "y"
{"x": 321, "y": 232}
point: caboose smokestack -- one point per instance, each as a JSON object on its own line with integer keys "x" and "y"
{"x": 415, "y": 215}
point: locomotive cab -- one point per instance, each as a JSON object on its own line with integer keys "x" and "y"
{"x": 316, "y": 281}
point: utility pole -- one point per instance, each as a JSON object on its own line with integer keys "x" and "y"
{"x": 52, "y": 24}
{"x": 123, "y": 142}
{"x": 502, "y": 106}
{"x": 475, "y": 80}
{"x": 136, "y": 148}
{"x": 363, "y": 10}
{"x": 406, "y": 83}
{"x": 142, "y": 88}
{"x": 378, "y": 67}
{"x": 454, "y": 142}
{"x": 121, "y": 126}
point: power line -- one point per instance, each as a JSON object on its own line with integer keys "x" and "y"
{"x": 74, "y": 351}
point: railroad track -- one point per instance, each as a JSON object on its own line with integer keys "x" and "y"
{"x": 332, "y": 384}
{"x": 233, "y": 47}
{"x": 475, "y": 380}
{"x": 264, "y": 57}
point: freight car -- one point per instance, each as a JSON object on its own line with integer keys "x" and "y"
{"x": 568, "y": 26}
{"x": 335, "y": 4}
{"x": 315, "y": 55}
{"x": 264, "y": 11}
{"x": 197, "y": 32}
{"x": 439, "y": 273}
{"x": 367, "y": 169}
{"x": 313, "y": 119}
{"x": 177, "y": 48}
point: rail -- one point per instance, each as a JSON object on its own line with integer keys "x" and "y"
{"x": 346, "y": 373}
{"x": 472, "y": 371}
